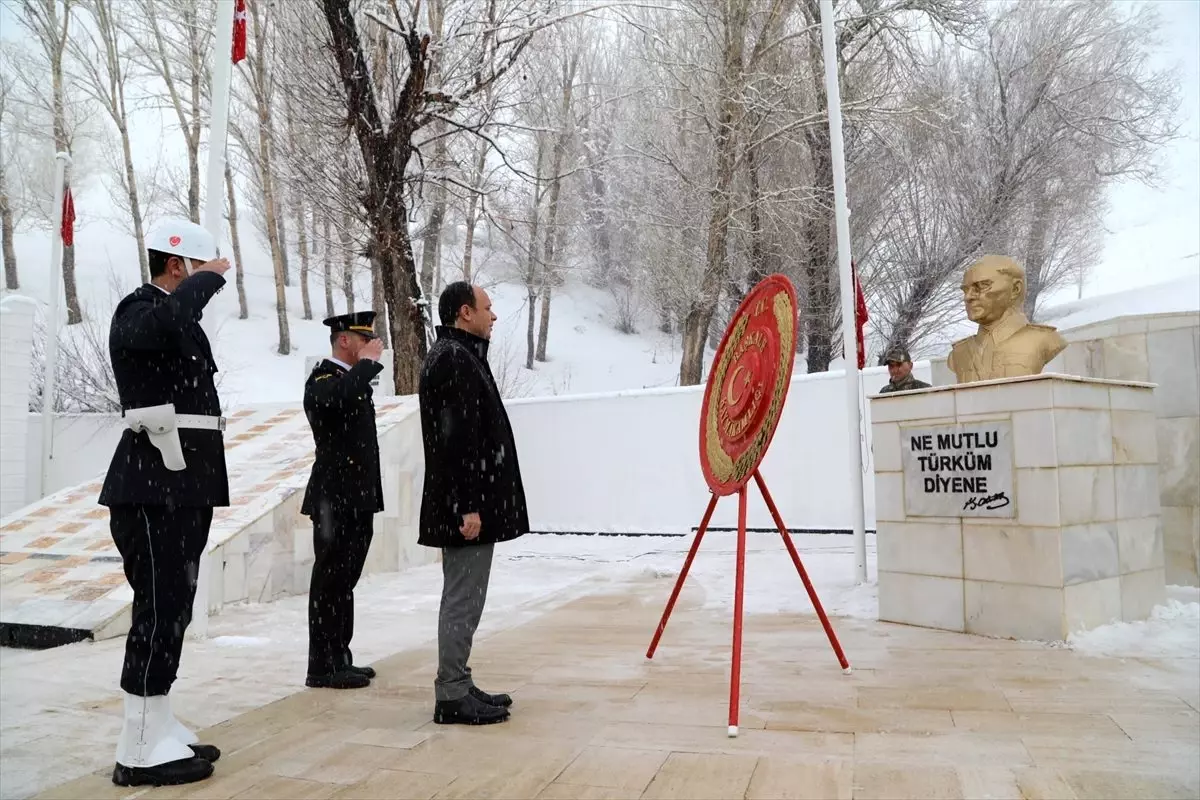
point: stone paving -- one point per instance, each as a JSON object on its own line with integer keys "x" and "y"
{"x": 59, "y": 567}
{"x": 925, "y": 714}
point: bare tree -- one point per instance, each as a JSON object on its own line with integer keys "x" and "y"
{"x": 48, "y": 23}
{"x": 259, "y": 75}
{"x": 174, "y": 39}
{"x": 102, "y": 59}
{"x": 385, "y": 134}
{"x": 235, "y": 239}
{"x": 7, "y": 157}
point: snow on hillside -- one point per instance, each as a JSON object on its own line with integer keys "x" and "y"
{"x": 1178, "y": 295}
{"x": 585, "y": 353}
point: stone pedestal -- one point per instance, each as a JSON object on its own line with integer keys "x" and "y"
{"x": 1025, "y": 508}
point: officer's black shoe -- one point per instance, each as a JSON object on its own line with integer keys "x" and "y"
{"x": 368, "y": 671}
{"x": 173, "y": 773}
{"x": 468, "y": 710}
{"x": 208, "y": 752}
{"x": 342, "y": 679}
{"x": 499, "y": 700}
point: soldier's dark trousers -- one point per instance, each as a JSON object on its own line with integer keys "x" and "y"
{"x": 465, "y": 575}
{"x": 161, "y": 548}
{"x": 340, "y": 542}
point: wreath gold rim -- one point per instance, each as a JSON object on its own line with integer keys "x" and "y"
{"x": 723, "y": 468}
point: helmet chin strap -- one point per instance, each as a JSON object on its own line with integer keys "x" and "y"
{"x": 187, "y": 265}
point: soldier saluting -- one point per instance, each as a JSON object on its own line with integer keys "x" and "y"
{"x": 345, "y": 491}
{"x": 167, "y": 474}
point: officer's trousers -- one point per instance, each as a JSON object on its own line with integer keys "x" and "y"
{"x": 341, "y": 538}
{"x": 161, "y": 548}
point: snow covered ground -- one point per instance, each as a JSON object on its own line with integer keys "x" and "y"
{"x": 62, "y": 705}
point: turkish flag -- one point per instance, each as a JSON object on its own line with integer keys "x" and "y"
{"x": 860, "y": 317}
{"x": 239, "y": 31}
{"x": 68, "y": 218}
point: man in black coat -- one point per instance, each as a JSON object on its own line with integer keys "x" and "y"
{"x": 345, "y": 491}
{"x": 167, "y": 474}
{"x": 472, "y": 496}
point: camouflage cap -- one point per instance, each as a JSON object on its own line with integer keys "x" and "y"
{"x": 897, "y": 355}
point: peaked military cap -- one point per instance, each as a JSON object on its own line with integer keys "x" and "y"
{"x": 360, "y": 322}
{"x": 897, "y": 355}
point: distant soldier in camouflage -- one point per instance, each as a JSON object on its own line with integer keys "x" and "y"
{"x": 899, "y": 364}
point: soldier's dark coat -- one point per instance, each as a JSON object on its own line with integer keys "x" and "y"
{"x": 470, "y": 454}
{"x": 160, "y": 354}
{"x": 341, "y": 412}
{"x": 907, "y": 385}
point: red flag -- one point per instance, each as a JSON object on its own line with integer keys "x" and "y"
{"x": 68, "y": 218}
{"x": 239, "y": 31}
{"x": 860, "y": 317}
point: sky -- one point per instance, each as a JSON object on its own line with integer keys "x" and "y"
{"x": 1153, "y": 232}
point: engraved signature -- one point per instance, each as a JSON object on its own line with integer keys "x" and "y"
{"x": 990, "y": 503}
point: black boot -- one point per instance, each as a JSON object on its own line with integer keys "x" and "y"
{"x": 173, "y": 773}
{"x": 468, "y": 710}
{"x": 342, "y": 679}
{"x": 208, "y": 752}
{"x": 499, "y": 700}
{"x": 367, "y": 671}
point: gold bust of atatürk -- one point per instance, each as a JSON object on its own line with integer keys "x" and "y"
{"x": 1007, "y": 345}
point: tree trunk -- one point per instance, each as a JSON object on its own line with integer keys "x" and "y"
{"x": 1035, "y": 248}
{"x": 431, "y": 247}
{"x": 816, "y": 233}
{"x": 281, "y": 235}
{"x": 347, "y": 263}
{"x": 473, "y": 205}
{"x": 135, "y": 206}
{"x": 270, "y": 206}
{"x": 544, "y": 323}
{"x": 243, "y": 308}
{"x": 327, "y": 257}
{"x": 379, "y": 301}
{"x": 759, "y": 266}
{"x": 11, "y": 280}
{"x": 701, "y": 309}
{"x": 61, "y": 144}
{"x": 302, "y": 244}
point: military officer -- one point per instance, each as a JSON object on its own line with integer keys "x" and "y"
{"x": 899, "y": 364}
{"x": 166, "y": 475}
{"x": 345, "y": 491}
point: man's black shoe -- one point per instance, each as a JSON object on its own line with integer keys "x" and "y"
{"x": 368, "y": 671}
{"x": 498, "y": 700}
{"x": 468, "y": 710}
{"x": 208, "y": 752}
{"x": 342, "y": 679}
{"x": 173, "y": 773}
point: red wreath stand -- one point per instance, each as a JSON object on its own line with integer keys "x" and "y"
{"x": 742, "y": 404}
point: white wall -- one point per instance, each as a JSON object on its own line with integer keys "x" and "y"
{"x": 628, "y": 462}
{"x": 83, "y": 448}
{"x": 624, "y": 462}
{"x": 16, "y": 362}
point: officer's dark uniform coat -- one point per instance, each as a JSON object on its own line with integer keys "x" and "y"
{"x": 341, "y": 412}
{"x": 470, "y": 453}
{"x": 160, "y": 355}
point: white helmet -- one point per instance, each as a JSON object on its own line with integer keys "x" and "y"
{"x": 184, "y": 238}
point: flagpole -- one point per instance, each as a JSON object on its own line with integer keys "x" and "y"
{"x": 49, "y": 381}
{"x": 218, "y": 131}
{"x": 841, "y": 212}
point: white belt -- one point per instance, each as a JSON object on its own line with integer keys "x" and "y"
{"x": 201, "y": 422}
